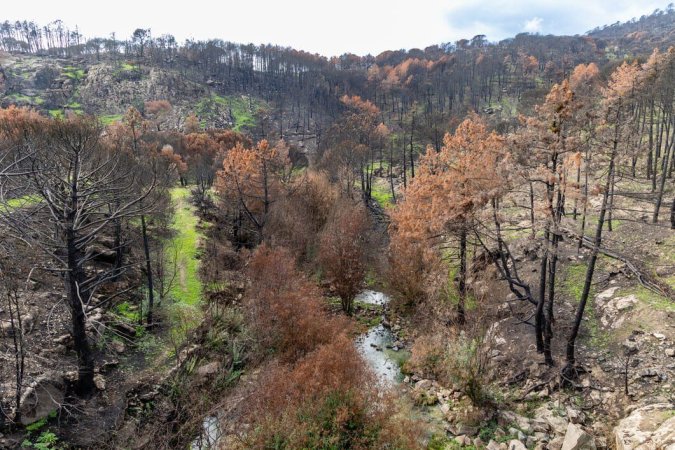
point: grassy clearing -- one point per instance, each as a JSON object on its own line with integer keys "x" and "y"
{"x": 73, "y": 73}
{"x": 650, "y": 298}
{"x": 110, "y": 119}
{"x": 241, "y": 108}
{"x": 187, "y": 288}
{"x": 573, "y": 287}
{"x": 381, "y": 193}
{"x": 22, "y": 98}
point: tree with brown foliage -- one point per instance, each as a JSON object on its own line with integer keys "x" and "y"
{"x": 343, "y": 250}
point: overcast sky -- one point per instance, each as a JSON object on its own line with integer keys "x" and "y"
{"x": 332, "y": 27}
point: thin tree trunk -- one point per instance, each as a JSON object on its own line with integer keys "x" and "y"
{"x": 148, "y": 269}
{"x": 569, "y": 371}
{"x": 461, "y": 303}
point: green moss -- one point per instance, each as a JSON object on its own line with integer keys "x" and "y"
{"x": 56, "y": 113}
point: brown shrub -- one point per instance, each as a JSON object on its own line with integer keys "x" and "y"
{"x": 327, "y": 400}
{"x": 343, "y": 250}
{"x": 284, "y": 308}
{"x": 295, "y": 220}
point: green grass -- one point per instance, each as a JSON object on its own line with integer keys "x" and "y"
{"x": 381, "y": 193}
{"x": 654, "y": 300}
{"x": 56, "y": 113}
{"x": 73, "y": 73}
{"x": 110, "y": 119}
{"x": 573, "y": 286}
{"x": 21, "y": 98}
{"x": 242, "y": 112}
{"x": 21, "y": 202}
{"x": 187, "y": 288}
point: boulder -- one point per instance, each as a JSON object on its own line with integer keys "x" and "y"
{"x": 557, "y": 424}
{"x": 577, "y": 439}
{"x": 515, "y": 444}
{"x": 41, "y": 398}
{"x": 646, "y": 428}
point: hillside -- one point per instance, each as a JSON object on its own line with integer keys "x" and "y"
{"x": 219, "y": 245}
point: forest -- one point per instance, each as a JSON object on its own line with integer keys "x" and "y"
{"x": 218, "y": 245}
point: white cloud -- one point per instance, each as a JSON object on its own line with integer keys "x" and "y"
{"x": 533, "y": 25}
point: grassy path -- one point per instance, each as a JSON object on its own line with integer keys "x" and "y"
{"x": 187, "y": 288}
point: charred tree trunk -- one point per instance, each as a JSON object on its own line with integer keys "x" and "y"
{"x": 148, "y": 270}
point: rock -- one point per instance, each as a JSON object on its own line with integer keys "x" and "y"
{"x": 207, "y": 370}
{"x": 575, "y": 416}
{"x": 577, "y": 439}
{"x": 99, "y": 382}
{"x": 423, "y": 384}
{"x": 670, "y": 352}
{"x": 540, "y": 446}
{"x": 478, "y": 443}
{"x": 118, "y": 346}
{"x": 462, "y": 440}
{"x": 659, "y": 336}
{"x": 41, "y": 398}
{"x": 556, "y": 444}
{"x": 630, "y": 347}
{"x": 649, "y": 373}
{"x": 516, "y": 445}
{"x": 507, "y": 418}
{"x": 492, "y": 445}
{"x": 557, "y": 424}
{"x": 648, "y": 427}
{"x": 606, "y": 294}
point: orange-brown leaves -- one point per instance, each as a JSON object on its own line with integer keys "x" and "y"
{"x": 343, "y": 250}
{"x": 284, "y": 307}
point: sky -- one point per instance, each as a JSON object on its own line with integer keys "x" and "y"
{"x": 332, "y": 27}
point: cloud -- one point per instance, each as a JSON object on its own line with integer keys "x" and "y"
{"x": 533, "y": 25}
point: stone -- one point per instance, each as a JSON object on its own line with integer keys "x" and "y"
{"x": 207, "y": 370}
{"x": 478, "y": 443}
{"x": 492, "y": 445}
{"x": 99, "y": 382}
{"x": 670, "y": 352}
{"x": 577, "y": 439}
{"x": 118, "y": 346}
{"x": 557, "y": 424}
{"x": 556, "y": 443}
{"x": 516, "y": 445}
{"x": 42, "y": 397}
{"x": 659, "y": 336}
{"x": 575, "y": 416}
{"x": 423, "y": 384}
{"x": 648, "y": 427}
{"x": 462, "y": 440}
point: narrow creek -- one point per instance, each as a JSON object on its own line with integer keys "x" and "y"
{"x": 376, "y": 346}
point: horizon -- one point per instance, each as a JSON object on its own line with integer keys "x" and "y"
{"x": 294, "y": 24}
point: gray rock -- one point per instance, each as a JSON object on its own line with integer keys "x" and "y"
{"x": 577, "y": 439}
{"x": 516, "y": 445}
{"x": 648, "y": 427}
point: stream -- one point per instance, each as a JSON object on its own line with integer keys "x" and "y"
{"x": 375, "y": 346}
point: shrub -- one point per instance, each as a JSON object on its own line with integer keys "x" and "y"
{"x": 327, "y": 400}
{"x": 284, "y": 308}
